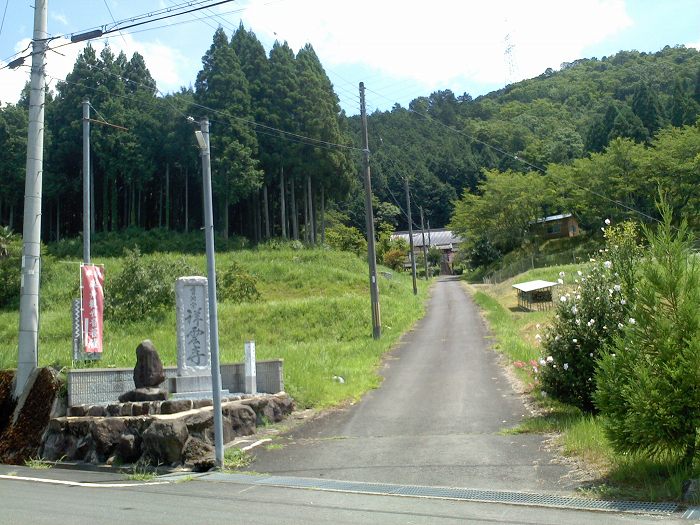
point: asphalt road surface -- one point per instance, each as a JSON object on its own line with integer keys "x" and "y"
{"x": 28, "y": 502}
{"x": 435, "y": 420}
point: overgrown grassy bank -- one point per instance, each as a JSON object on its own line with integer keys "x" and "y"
{"x": 314, "y": 313}
{"x": 580, "y": 435}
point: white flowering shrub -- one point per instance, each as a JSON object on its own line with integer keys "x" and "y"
{"x": 649, "y": 382}
{"x": 593, "y": 312}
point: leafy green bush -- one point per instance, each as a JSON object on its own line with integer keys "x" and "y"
{"x": 145, "y": 287}
{"x": 434, "y": 256}
{"x": 649, "y": 382}
{"x": 394, "y": 259}
{"x": 346, "y": 238}
{"x": 385, "y": 243}
{"x": 10, "y": 267}
{"x": 588, "y": 318}
{"x": 236, "y": 285}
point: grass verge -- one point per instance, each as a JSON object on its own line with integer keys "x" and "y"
{"x": 314, "y": 313}
{"x": 579, "y": 435}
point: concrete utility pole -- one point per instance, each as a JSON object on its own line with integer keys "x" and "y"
{"x": 369, "y": 217}
{"x": 27, "y": 358}
{"x": 86, "y": 181}
{"x": 425, "y": 251}
{"x": 410, "y": 236}
{"x": 203, "y": 140}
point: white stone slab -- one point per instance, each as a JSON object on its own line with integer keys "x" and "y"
{"x": 192, "y": 312}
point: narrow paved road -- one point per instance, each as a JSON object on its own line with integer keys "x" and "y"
{"x": 434, "y": 421}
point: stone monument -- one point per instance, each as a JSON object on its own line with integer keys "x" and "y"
{"x": 193, "y": 348}
{"x": 148, "y": 375}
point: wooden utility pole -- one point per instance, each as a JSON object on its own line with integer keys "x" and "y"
{"x": 410, "y": 236}
{"x": 369, "y": 218}
{"x": 425, "y": 252}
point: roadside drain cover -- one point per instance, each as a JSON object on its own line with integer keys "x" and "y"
{"x": 487, "y": 496}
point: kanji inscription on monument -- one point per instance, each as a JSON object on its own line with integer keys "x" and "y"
{"x": 193, "y": 353}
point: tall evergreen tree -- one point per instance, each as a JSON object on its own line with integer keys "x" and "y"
{"x": 282, "y": 103}
{"x": 13, "y": 144}
{"x": 645, "y": 104}
{"x": 318, "y": 116}
{"x": 222, "y": 89}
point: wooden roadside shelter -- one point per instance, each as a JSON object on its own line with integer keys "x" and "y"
{"x": 535, "y": 295}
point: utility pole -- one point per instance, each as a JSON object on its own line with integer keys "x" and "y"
{"x": 28, "y": 347}
{"x": 369, "y": 218}
{"x": 410, "y": 236}
{"x": 203, "y": 140}
{"x": 425, "y": 252}
{"x": 86, "y": 181}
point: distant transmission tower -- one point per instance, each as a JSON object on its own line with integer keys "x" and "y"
{"x": 508, "y": 58}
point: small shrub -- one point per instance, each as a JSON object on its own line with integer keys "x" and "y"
{"x": 588, "y": 318}
{"x": 346, "y": 238}
{"x": 434, "y": 256}
{"x": 236, "y": 285}
{"x": 394, "y": 259}
{"x": 144, "y": 287}
{"x": 10, "y": 267}
{"x": 649, "y": 383}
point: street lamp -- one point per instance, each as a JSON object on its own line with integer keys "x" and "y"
{"x": 203, "y": 142}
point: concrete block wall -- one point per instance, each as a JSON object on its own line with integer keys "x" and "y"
{"x": 102, "y": 386}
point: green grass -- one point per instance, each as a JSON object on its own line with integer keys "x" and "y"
{"x": 581, "y": 435}
{"x": 235, "y": 458}
{"x": 141, "y": 471}
{"x": 38, "y": 464}
{"x": 314, "y": 313}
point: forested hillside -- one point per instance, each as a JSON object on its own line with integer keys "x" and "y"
{"x": 596, "y": 138}
{"x": 447, "y": 143}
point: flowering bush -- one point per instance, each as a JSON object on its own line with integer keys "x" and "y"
{"x": 588, "y": 318}
{"x": 649, "y": 382}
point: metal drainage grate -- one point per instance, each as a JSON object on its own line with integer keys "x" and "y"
{"x": 486, "y": 496}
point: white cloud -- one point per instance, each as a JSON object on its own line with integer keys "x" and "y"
{"x": 169, "y": 67}
{"x": 59, "y": 17}
{"x": 442, "y": 42}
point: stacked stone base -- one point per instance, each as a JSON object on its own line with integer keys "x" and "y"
{"x": 170, "y": 433}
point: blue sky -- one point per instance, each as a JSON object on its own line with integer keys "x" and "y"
{"x": 401, "y": 49}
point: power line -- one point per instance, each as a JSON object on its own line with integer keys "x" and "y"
{"x": 2, "y": 24}
{"x": 100, "y": 33}
{"x": 115, "y": 22}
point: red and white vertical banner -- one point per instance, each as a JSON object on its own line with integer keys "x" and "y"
{"x": 92, "y": 279}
